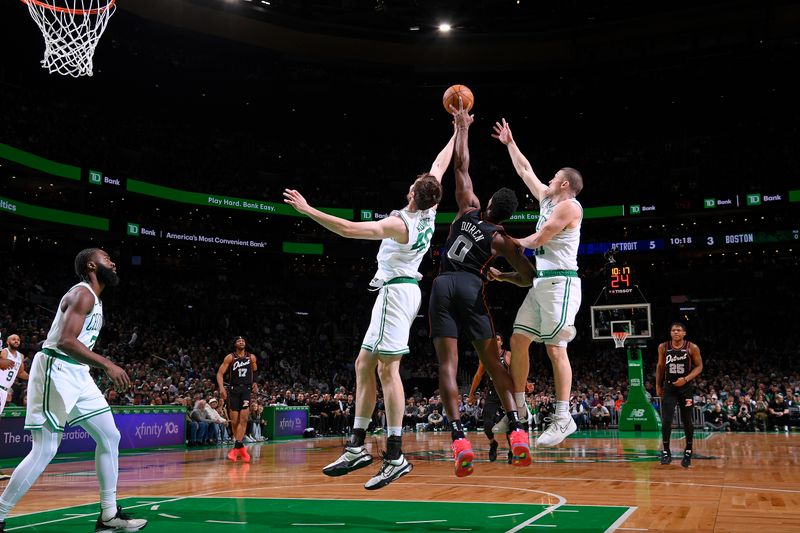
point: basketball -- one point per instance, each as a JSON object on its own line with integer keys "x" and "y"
{"x": 451, "y": 97}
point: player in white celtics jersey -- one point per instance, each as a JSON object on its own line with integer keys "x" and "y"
{"x": 547, "y": 314}
{"x": 405, "y": 238}
{"x": 61, "y": 391}
{"x": 12, "y": 365}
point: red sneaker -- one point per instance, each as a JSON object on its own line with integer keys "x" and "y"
{"x": 246, "y": 456}
{"x": 233, "y": 454}
{"x": 463, "y": 455}
{"x": 520, "y": 448}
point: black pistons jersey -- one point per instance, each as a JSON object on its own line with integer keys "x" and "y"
{"x": 678, "y": 362}
{"x": 469, "y": 245}
{"x": 241, "y": 371}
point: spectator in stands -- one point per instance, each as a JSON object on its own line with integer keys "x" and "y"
{"x": 600, "y": 416}
{"x": 779, "y": 413}
{"x": 578, "y": 412}
{"x": 205, "y": 423}
{"x": 435, "y": 421}
{"x": 715, "y": 419}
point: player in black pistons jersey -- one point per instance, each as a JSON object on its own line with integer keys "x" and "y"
{"x": 458, "y": 304}
{"x": 679, "y": 363}
{"x": 241, "y": 368}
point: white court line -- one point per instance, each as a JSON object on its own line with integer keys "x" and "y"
{"x": 337, "y": 524}
{"x": 225, "y": 522}
{"x": 566, "y": 511}
{"x": 155, "y": 507}
{"x": 73, "y": 514}
{"x": 421, "y": 522}
{"x": 504, "y": 515}
{"x": 459, "y": 529}
{"x": 540, "y": 525}
{"x": 165, "y": 515}
{"x": 621, "y": 519}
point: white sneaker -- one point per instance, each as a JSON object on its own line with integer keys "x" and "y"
{"x": 557, "y": 431}
{"x": 501, "y": 428}
{"x": 786, "y": 429}
{"x": 351, "y": 459}
{"x": 120, "y": 523}
{"x": 390, "y": 470}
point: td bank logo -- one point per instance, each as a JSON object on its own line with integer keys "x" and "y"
{"x": 366, "y": 214}
{"x": 95, "y": 177}
{"x": 754, "y": 199}
{"x": 635, "y": 210}
{"x": 709, "y": 203}
{"x": 133, "y": 229}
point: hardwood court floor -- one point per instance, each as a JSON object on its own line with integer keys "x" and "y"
{"x": 595, "y": 481}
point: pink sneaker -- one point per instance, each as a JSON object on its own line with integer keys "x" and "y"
{"x": 463, "y": 455}
{"x": 520, "y": 448}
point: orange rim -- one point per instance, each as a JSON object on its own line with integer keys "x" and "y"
{"x": 96, "y": 11}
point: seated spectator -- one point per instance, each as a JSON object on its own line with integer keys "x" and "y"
{"x": 578, "y": 412}
{"x": 715, "y": 420}
{"x": 205, "y": 423}
{"x": 744, "y": 417}
{"x": 779, "y": 413}
{"x": 761, "y": 413}
{"x": 600, "y": 417}
{"x": 435, "y": 421}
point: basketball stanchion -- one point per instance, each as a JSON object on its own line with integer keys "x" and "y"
{"x": 71, "y": 30}
{"x": 637, "y": 413}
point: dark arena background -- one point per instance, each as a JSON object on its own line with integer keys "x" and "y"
{"x": 173, "y": 156}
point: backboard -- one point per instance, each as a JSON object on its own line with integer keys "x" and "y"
{"x": 633, "y": 318}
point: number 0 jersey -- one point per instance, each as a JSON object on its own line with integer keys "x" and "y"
{"x": 678, "y": 361}
{"x": 469, "y": 245}
{"x": 91, "y": 325}
{"x": 403, "y": 260}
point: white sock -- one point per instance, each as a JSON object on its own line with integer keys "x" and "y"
{"x": 106, "y": 460}
{"x": 361, "y": 422}
{"x": 45, "y": 445}
{"x": 562, "y": 408}
{"x": 522, "y": 407}
{"x": 394, "y": 431}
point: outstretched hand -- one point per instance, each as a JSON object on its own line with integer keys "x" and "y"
{"x": 502, "y": 132}
{"x": 461, "y": 116}
{"x": 296, "y": 200}
{"x": 494, "y": 274}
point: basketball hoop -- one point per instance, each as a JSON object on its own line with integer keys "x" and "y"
{"x": 71, "y": 29}
{"x": 619, "y": 338}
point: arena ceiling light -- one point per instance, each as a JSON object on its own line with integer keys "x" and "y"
{"x": 444, "y": 27}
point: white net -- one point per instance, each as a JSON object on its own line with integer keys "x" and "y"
{"x": 71, "y": 29}
{"x": 619, "y": 338}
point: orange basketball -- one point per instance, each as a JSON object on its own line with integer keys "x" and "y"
{"x": 451, "y": 97}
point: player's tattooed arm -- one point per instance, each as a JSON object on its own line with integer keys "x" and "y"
{"x": 465, "y": 196}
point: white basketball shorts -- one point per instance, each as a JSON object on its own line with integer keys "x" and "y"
{"x": 548, "y": 312}
{"x": 395, "y": 309}
{"x": 61, "y": 392}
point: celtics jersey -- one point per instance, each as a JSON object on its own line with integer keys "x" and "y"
{"x": 91, "y": 325}
{"x": 560, "y": 252}
{"x": 403, "y": 260}
{"x": 7, "y": 377}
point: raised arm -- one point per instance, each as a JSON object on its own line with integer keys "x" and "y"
{"x": 465, "y": 197}
{"x": 389, "y": 227}
{"x": 566, "y": 214}
{"x": 502, "y": 132}
{"x": 443, "y": 159}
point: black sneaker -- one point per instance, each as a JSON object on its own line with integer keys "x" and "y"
{"x": 353, "y": 458}
{"x": 2, "y": 526}
{"x": 120, "y": 523}
{"x": 390, "y": 470}
{"x": 666, "y": 457}
{"x": 510, "y": 457}
{"x": 687, "y": 458}
{"x": 493, "y": 451}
